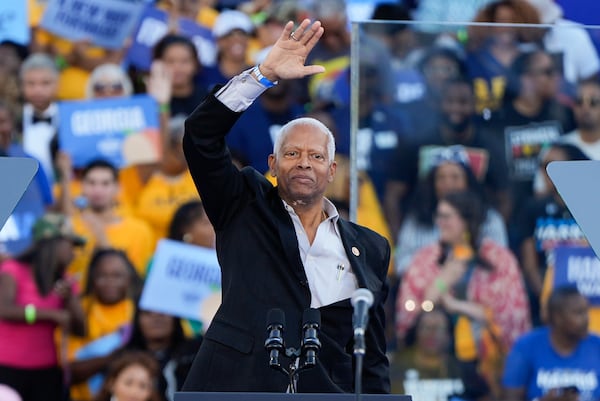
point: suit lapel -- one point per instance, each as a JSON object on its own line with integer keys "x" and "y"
{"x": 357, "y": 254}
{"x": 287, "y": 235}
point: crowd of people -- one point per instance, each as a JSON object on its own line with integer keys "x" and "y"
{"x": 456, "y": 126}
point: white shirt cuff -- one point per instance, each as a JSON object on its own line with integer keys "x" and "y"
{"x": 240, "y": 92}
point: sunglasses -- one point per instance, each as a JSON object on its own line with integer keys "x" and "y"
{"x": 587, "y": 101}
{"x": 114, "y": 87}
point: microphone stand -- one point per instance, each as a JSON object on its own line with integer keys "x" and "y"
{"x": 359, "y": 354}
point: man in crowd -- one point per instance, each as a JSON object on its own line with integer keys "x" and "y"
{"x": 558, "y": 362}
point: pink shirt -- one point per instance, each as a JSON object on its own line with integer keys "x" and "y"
{"x": 23, "y": 345}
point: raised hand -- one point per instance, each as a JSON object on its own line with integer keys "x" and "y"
{"x": 158, "y": 84}
{"x": 286, "y": 58}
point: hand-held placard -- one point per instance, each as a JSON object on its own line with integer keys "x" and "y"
{"x": 311, "y": 323}
{"x": 274, "y": 343}
{"x": 361, "y": 300}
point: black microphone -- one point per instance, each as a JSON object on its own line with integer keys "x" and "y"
{"x": 311, "y": 322}
{"x": 361, "y": 300}
{"x": 274, "y": 342}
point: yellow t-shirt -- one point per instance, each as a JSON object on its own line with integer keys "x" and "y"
{"x": 102, "y": 320}
{"x": 132, "y": 184}
{"x": 161, "y": 197}
{"x": 130, "y": 234}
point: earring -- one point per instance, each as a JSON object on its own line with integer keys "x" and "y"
{"x": 187, "y": 237}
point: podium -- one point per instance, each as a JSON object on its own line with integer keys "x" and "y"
{"x": 250, "y": 396}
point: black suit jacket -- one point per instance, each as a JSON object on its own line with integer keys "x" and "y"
{"x": 261, "y": 269}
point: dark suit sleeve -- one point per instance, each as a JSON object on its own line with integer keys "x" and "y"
{"x": 376, "y": 377}
{"x": 220, "y": 185}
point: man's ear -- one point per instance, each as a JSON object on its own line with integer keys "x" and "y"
{"x": 332, "y": 170}
{"x": 271, "y": 162}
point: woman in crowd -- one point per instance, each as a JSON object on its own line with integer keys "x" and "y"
{"x": 468, "y": 277}
{"x": 232, "y": 32}
{"x": 491, "y": 50}
{"x": 426, "y": 368}
{"x": 162, "y": 336}
{"x": 176, "y": 59}
{"x": 109, "y": 307}
{"x": 190, "y": 224}
{"x": 131, "y": 377}
{"x": 450, "y": 172}
{"x": 106, "y": 81}
{"x": 35, "y": 298}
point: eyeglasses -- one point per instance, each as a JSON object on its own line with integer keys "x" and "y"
{"x": 548, "y": 71}
{"x": 104, "y": 87}
{"x": 587, "y": 101}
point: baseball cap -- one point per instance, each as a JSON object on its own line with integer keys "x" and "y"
{"x": 230, "y": 20}
{"x": 55, "y": 225}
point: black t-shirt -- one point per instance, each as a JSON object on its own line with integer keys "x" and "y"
{"x": 550, "y": 224}
{"x": 185, "y": 105}
{"x": 523, "y": 138}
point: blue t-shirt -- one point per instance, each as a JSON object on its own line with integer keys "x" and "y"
{"x": 533, "y": 364}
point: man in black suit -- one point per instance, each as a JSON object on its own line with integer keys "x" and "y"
{"x": 282, "y": 247}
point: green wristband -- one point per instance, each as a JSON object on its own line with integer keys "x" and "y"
{"x": 30, "y": 313}
{"x": 164, "y": 108}
{"x": 440, "y": 285}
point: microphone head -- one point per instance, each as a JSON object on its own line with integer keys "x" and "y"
{"x": 311, "y": 316}
{"x": 275, "y": 317}
{"x": 362, "y": 294}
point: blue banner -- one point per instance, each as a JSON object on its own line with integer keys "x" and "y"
{"x": 581, "y": 267}
{"x": 153, "y": 25}
{"x": 190, "y": 275}
{"x": 13, "y": 22}
{"x": 124, "y": 131}
{"x": 106, "y": 23}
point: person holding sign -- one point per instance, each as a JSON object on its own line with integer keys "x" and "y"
{"x": 282, "y": 247}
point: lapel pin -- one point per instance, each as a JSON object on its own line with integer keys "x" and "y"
{"x": 355, "y": 251}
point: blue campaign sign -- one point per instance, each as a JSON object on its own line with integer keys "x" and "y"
{"x": 578, "y": 266}
{"x": 153, "y": 25}
{"x": 191, "y": 277}
{"x": 106, "y": 23}
{"x": 13, "y": 22}
{"x": 124, "y": 131}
